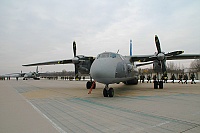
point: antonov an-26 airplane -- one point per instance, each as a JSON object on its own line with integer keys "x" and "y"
{"x": 25, "y": 76}
{"x": 109, "y": 68}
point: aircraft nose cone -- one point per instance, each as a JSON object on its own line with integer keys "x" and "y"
{"x": 103, "y": 70}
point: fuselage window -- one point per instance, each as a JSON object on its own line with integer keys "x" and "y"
{"x": 105, "y": 55}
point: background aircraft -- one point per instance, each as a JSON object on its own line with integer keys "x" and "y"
{"x": 109, "y": 67}
{"x": 35, "y": 75}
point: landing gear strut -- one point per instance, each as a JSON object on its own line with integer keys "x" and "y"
{"x": 108, "y": 91}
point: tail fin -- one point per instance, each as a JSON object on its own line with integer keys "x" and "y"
{"x": 130, "y": 47}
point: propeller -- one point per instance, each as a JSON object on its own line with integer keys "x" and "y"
{"x": 75, "y": 60}
{"x": 161, "y": 56}
{"x": 79, "y": 60}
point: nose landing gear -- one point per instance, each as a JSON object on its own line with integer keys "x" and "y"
{"x": 108, "y": 91}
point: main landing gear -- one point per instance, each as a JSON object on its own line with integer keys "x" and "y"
{"x": 108, "y": 91}
{"x": 158, "y": 83}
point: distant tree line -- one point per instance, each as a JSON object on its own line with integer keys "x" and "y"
{"x": 173, "y": 68}
{"x": 65, "y": 75}
{"x": 60, "y": 74}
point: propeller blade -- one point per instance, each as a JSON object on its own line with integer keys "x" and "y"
{"x": 74, "y": 48}
{"x": 157, "y": 44}
{"x": 163, "y": 64}
{"x": 75, "y": 60}
{"x": 174, "y": 53}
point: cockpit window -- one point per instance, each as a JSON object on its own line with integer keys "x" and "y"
{"x": 113, "y": 55}
{"x": 108, "y": 55}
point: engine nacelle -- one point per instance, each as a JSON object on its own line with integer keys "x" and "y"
{"x": 157, "y": 66}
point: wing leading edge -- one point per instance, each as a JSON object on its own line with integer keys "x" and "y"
{"x": 51, "y": 63}
{"x": 146, "y": 58}
{"x": 184, "y": 56}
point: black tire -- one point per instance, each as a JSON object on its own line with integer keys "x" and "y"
{"x": 111, "y": 92}
{"x": 155, "y": 83}
{"x": 88, "y": 84}
{"x": 105, "y": 93}
{"x": 161, "y": 85}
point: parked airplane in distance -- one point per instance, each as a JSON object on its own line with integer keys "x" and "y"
{"x": 35, "y": 75}
{"x": 109, "y": 68}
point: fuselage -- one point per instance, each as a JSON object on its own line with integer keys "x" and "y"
{"x": 33, "y": 75}
{"x": 109, "y": 68}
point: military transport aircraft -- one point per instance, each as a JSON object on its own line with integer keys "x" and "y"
{"x": 35, "y": 75}
{"x": 109, "y": 67}
{"x": 25, "y": 76}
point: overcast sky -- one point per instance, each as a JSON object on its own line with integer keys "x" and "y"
{"x": 37, "y": 31}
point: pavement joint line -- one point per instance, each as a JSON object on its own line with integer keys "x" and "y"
{"x": 82, "y": 116}
{"x": 43, "y": 115}
{"x": 75, "y": 118}
{"x": 42, "y": 108}
{"x": 140, "y": 113}
{"x": 121, "y": 109}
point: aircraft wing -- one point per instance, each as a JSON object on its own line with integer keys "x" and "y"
{"x": 50, "y": 63}
{"x": 184, "y": 56}
{"x": 144, "y": 64}
{"x": 141, "y": 58}
{"x": 14, "y": 75}
{"x": 146, "y": 58}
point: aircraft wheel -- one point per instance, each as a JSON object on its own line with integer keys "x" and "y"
{"x": 88, "y": 84}
{"x": 155, "y": 83}
{"x": 111, "y": 92}
{"x": 161, "y": 85}
{"x": 105, "y": 92}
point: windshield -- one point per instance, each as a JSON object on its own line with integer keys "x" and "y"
{"x": 108, "y": 55}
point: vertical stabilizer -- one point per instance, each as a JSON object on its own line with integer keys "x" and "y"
{"x": 130, "y": 47}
